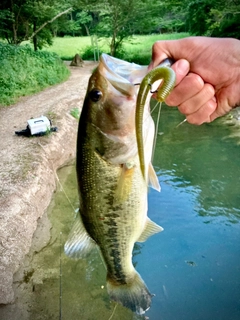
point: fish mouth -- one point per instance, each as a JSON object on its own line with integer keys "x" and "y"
{"x": 123, "y": 75}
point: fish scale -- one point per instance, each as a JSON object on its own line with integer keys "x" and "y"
{"x": 112, "y": 189}
{"x": 107, "y": 216}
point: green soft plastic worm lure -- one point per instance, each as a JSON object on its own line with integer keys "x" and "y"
{"x": 162, "y": 72}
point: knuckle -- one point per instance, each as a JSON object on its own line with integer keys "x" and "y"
{"x": 212, "y": 105}
{"x": 171, "y": 100}
{"x": 196, "y": 81}
{"x": 184, "y": 108}
{"x": 192, "y": 119}
{"x": 209, "y": 89}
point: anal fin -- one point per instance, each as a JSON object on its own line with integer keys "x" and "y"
{"x": 150, "y": 229}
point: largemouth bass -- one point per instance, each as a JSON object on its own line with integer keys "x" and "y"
{"x": 112, "y": 190}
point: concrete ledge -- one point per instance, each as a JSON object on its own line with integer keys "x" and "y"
{"x": 28, "y": 166}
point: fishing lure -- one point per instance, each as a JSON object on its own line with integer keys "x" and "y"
{"x": 162, "y": 72}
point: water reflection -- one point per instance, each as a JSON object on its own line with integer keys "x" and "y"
{"x": 200, "y": 160}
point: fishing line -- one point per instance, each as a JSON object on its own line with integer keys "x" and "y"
{"x": 98, "y": 250}
{"x": 181, "y": 123}
{"x": 62, "y": 189}
{"x": 55, "y": 173}
{"x": 60, "y": 278}
{"x": 113, "y": 312}
{"x": 154, "y": 107}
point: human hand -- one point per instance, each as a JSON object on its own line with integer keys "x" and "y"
{"x": 207, "y": 75}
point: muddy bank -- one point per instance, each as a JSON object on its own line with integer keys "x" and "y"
{"x": 28, "y": 167}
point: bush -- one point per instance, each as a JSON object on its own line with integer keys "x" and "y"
{"x": 88, "y": 53}
{"x": 24, "y": 71}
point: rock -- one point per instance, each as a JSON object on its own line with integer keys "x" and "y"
{"x": 77, "y": 61}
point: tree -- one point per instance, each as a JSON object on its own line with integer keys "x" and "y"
{"x": 219, "y": 18}
{"x": 224, "y": 19}
{"x": 84, "y": 18}
{"x": 119, "y": 20}
{"x": 198, "y": 12}
{"x": 172, "y": 16}
{"x": 203, "y": 17}
{"x": 30, "y": 20}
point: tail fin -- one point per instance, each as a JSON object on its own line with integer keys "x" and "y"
{"x": 134, "y": 295}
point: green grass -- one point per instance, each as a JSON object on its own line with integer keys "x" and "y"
{"x": 67, "y": 47}
{"x": 137, "y": 48}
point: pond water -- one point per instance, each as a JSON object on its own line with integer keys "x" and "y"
{"x": 192, "y": 267}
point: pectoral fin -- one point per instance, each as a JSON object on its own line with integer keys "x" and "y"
{"x": 150, "y": 229}
{"x": 79, "y": 243}
{"x": 124, "y": 186}
{"x": 153, "y": 179}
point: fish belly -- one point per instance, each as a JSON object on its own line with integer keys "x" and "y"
{"x": 114, "y": 224}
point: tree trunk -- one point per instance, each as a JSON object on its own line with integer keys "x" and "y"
{"x": 87, "y": 30}
{"x": 113, "y": 47}
{"x": 35, "y": 37}
{"x": 47, "y": 22}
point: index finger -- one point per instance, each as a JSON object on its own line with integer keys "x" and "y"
{"x": 158, "y": 55}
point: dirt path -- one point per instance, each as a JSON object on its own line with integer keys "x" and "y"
{"x": 28, "y": 165}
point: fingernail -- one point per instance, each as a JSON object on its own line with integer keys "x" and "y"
{"x": 182, "y": 67}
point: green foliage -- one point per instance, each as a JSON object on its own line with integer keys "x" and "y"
{"x": 172, "y": 17}
{"x": 119, "y": 20}
{"x": 29, "y": 20}
{"x": 88, "y": 53}
{"x": 201, "y": 17}
{"x": 198, "y": 11}
{"x": 84, "y": 18}
{"x": 39, "y": 21}
{"x": 219, "y": 18}
{"x": 229, "y": 27}
{"x": 223, "y": 20}
{"x": 23, "y": 71}
{"x": 75, "y": 113}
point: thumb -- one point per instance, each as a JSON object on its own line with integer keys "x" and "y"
{"x": 181, "y": 68}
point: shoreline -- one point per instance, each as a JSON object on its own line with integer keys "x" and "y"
{"x": 28, "y": 167}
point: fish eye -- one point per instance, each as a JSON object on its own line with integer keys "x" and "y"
{"x": 95, "y": 95}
